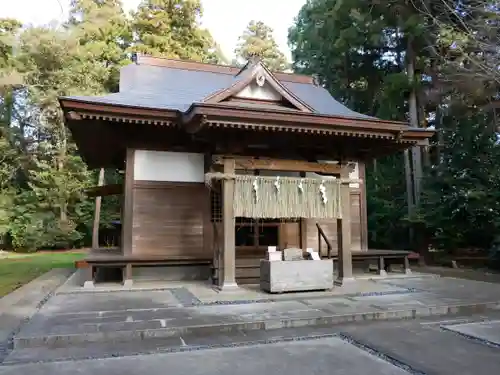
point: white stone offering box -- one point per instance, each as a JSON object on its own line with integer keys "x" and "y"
{"x": 271, "y": 249}
{"x": 273, "y": 256}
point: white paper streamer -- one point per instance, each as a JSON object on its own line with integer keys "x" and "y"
{"x": 322, "y": 191}
{"x": 255, "y": 185}
{"x": 277, "y": 184}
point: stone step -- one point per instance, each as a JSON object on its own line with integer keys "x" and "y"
{"x": 166, "y": 345}
{"x": 210, "y": 320}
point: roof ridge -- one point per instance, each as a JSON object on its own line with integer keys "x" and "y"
{"x": 213, "y": 68}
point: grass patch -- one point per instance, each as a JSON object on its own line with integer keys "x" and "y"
{"x": 19, "y": 269}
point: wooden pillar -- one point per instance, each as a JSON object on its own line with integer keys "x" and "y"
{"x": 128, "y": 204}
{"x": 363, "y": 206}
{"x": 407, "y": 266}
{"x": 344, "y": 231}
{"x": 97, "y": 213}
{"x": 228, "y": 281}
{"x": 88, "y": 282}
{"x": 128, "y": 213}
{"x": 381, "y": 267}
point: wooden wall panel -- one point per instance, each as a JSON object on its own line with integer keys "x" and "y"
{"x": 171, "y": 219}
{"x": 289, "y": 235}
{"x": 330, "y": 228}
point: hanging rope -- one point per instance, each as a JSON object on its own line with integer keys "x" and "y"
{"x": 284, "y": 197}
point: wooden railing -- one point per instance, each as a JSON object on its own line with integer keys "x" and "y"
{"x": 322, "y": 235}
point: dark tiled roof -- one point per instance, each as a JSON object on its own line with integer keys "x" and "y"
{"x": 176, "y": 89}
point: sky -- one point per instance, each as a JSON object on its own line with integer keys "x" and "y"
{"x": 226, "y": 19}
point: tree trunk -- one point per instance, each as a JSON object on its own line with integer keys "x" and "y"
{"x": 413, "y": 115}
{"x": 409, "y": 189}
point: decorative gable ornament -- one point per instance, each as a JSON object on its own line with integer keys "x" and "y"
{"x": 260, "y": 79}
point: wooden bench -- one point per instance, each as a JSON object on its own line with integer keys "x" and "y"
{"x": 384, "y": 258}
{"x": 126, "y": 262}
{"x": 380, "y": 255}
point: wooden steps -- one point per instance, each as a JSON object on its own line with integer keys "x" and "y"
{"x": 247, "y": 270}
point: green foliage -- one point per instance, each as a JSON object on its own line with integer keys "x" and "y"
{"x": 359, "y": 51}
{"x": 104, "y": 33}
{"x": 19, "y": 269}
{"x": 8, "y": 31}
{"x": 258, "y": 40}
{"x": 462, "y": 196}
{"x": 170, "y": 28}
{"x": 386, "y": 203}
{"x": 33, "y": 228}
{"x": 42, "y": 178}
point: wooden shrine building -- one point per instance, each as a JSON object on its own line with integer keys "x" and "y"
{"x": 222, "y": 162}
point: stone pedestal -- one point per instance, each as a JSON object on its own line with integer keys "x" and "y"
{"x": 296, "y": 276}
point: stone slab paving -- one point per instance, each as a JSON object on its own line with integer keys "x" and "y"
{"x": 427, "y": 347}
{"x": 320, "y": 356}
{"x": 447, "y": 287}
{"x": 76, "y": 319}
{"x": 418, "y": 346}
{"x": 206, "y": 293}
{"x": 488, "y": 332}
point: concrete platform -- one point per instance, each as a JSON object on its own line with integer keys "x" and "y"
{"x": 81, "y": 318}
{"x": 419, "y": 347}
{"x": 205, "y": 292}
{"x": 426, "y": 347}
{"x": 321, "y": 356}
{"x": 486, "y": 332}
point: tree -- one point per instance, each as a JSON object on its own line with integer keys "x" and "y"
{"x": 53, "y": 65}
{"x": 170, "y": 28}
{"x": 258, "y": 40}
{"x": 42, "y": 178}
{"x": 463, "y": 37}
{"x": 104, "y": 34}
{"x": 9, "y": 155}
{"x": 423, "y": 62}
{"x": 8, "y": 30}
{"x": 462, "y": 194}
{"x": 363, "y": 54}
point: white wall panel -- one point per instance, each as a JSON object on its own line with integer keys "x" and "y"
{"x": 168, "y": 166}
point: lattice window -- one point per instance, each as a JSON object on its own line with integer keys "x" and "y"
{"x": 216, "y": 204}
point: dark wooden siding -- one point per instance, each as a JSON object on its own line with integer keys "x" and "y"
{"x": 171, "y": 219}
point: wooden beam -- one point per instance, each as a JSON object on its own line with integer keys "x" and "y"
{"x": 249, "y": 163}
{"x": 104, "y": 190}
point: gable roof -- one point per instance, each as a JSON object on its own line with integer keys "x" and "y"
{"x": 256, "y": 71}
{"x": 175, "y": 85}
